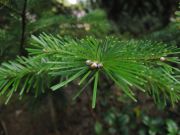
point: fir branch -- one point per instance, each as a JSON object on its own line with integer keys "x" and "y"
{"x": 22, "y": 75}
{"x": 141, "y": 65}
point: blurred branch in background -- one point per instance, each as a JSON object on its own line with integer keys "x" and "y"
{"x": 178, "y": 17}
{"x": 23, "y": 33}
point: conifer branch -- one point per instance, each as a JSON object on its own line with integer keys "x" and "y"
{"x": 140, "y": 65}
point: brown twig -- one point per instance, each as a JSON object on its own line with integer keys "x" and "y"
{"x": 23, "y": 36}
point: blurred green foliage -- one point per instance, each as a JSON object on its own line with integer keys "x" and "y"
{"x": 53, "y": 18}
{"x": 134, "y": 121}
{"x": 178, "y": 17}
{"x": 170, "y": 35}
{"x": 94, "y": 23}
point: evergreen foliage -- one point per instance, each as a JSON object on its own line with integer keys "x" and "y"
{"x": 141, "y": 65}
